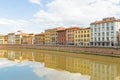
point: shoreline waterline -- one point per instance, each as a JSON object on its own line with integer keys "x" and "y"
{"x": 112, "y": 52}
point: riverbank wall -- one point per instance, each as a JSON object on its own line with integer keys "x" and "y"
{"x": 90, "y": 50}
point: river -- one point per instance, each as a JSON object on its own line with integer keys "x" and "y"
{"x": 28, "y": 64}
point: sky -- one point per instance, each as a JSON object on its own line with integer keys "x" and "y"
{"x": 37, "y": 15}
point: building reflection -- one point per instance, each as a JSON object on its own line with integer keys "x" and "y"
{"x": 98, "y": 67}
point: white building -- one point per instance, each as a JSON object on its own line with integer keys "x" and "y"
{"x": 104, "y": 32}
{"x": 11, "y": 38}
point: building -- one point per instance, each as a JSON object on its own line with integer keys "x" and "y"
{"x": 18, "y": 37}
{"x": 3, "y": 39}
{"x": 51, "y": 36}
{"x": 39, "y": 39}
{"x": 82, "y": 37}
{"x": 11, "y": 38}
{"x": 61, "y": 36}
{"x": 28, "y": 38}
{"x": 104, "y": 32}
{"x": 70, "y": 35}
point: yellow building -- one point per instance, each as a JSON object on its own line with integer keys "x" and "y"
{"x": 70, "y": 35}
{"x": 3, "y": 39}
{"x": 39, "y": 39}
{"x": 6, "y": 39}
{"x": 27, "y": 38}
{"x": 82, "y": 37}
{"x": 18, "y": 39}
{"x": 51, "y": 36}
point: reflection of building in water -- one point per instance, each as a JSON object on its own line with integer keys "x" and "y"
{"x": 98, "y": 67}
{"x": 28, "y": 55}
{"x": 74, "y": 64}
{"x": 15, "y": 55}
{"x": 105, "y": 71}
{"x": 11, "y": 55}
{"x": 39, "y": 57}
{"x": 55, "y": 61}
{"x": 3, "y": 53}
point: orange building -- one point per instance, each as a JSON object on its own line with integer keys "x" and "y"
{"x": 61, "y": 36}
{"x": 39, "y": 39}
{"x": 70, "y": 35}
{"x": 27, "y": 38}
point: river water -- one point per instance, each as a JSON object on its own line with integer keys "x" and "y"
{"x": 53, "y": 65}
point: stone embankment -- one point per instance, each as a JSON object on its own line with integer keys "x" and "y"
{"x": 90, "y": 50}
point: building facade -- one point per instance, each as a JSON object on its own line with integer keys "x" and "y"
{"x": 39, "y": 39}
{"x": 18, "y": 39}
{"x": 82, "y": 37}
{"x": 104, "y": 32}
{"x": 61, "y": 36}
{"x": 5, "y": 39}
{"x": 2, "y": 40}
{"x": 51, "y": 36}
{"x": 11, "y": 38}
{"x": 28, "y": 38}
{"x": 70, "y": 35}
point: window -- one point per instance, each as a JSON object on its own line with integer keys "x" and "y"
{"x": 112, "y": 34}
{"x": 95, "y": 29}
{"x": 112, "y": 23}
{"x": 112, "y": 38}
{"x": 98, "y": 39}
{"x": 95, "y": 39}
{"x": 103, "y": 28}
{"x": 102, "y": 39}
{"x": 99, "y": 29}
{"x": 88, "y": 35}
{"x": 107, "y": 24}
{"x": 103, "y": 24}
{"x": 107, "y": 33}
{"x": 98, "y": 34}
{"x": 91, "y": 34}
{"x": 112, "y": 28}
{"x": 85, "y": 40}
{"x": 84, "y": 35}
{"x": 91, "y": 39}
{"x": 91, "y": 30}
{"x": 107, "y": 28}
{"x": 102, "y": 33}
{"x": 107, "y": 38}
{"x": 95, "y": 34}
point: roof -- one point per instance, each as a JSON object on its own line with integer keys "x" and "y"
{"x": 105, "y": 20}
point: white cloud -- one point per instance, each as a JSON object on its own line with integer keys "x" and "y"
{"x": 35, "y": 2}
{"x": 64, "y": 13}
{"x": 11, "y": 25}
{"x": 52, "y": 74}
{"x": 77, "y": 12}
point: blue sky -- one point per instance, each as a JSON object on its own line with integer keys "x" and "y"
{"x": 38, "y": 15}
{"x": 17, "y": 9}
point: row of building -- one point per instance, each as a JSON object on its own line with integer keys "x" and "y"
{"x": 105, "y": 32}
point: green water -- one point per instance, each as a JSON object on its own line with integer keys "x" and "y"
{"x": 52, "y": 65}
